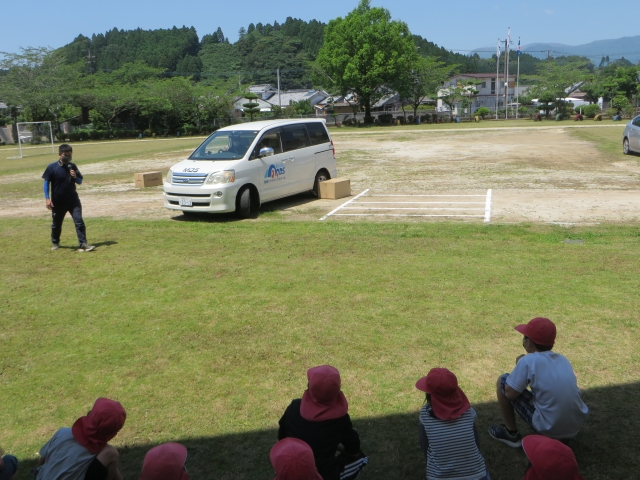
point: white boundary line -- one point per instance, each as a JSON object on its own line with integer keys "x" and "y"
{"x": 410, "y": 195}
{"x": 344, "y": 204}
{"x": 409, "y": 208}
{"x": 400, "y": 215}
{"x": 487, "y": 208}
{"x": 422, "y": 203}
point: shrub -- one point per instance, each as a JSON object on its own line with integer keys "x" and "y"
{"x": 385, "y": 118}
{"x": 400, "y": 119}
{"x": 590, "y": 111}
{"x": 482, "y": 112}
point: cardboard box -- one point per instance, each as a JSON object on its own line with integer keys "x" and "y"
{"x": 335, "y": 188}
{"x": 148, "y": 179}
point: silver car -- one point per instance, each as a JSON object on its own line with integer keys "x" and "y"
{"x": 631, "y": 137}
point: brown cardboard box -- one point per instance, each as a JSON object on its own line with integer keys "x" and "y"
{"x": 335, "y": 188}
{"x": 148, "y": 179}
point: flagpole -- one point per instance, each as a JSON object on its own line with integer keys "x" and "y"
{"x": 506, "y": 75}
{"x": 497, "y": 76}
{"x": 518, "y": 82}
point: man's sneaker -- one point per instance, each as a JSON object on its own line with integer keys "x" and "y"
{"x": 85, "y": 247}
{"x": 55, "y": 246}
{"x": 499, "y": 432}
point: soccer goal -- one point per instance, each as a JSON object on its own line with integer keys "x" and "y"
{"x": 34, "y": 138}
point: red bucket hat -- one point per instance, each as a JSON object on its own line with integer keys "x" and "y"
{"x": 165, "y": 462}
{"x": 323, "y": 400}
{"x": 447, "y": 399}
{"x": 550, "y": 459}
{"x": 292, "y": 459}
{"x": 541, "y": 330}
{"x": 100, "y": 425}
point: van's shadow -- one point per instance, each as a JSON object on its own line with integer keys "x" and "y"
{"x": 606, "y": 448}
{"x": 266, "y": 208}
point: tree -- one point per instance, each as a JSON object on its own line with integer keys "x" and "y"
{"x": 557, "y": 79}
{"x": 427, "y": 74}
{"x": 453, "y": 94}
{"x": 251, "y": 107}
{"x": 363, "y": 53}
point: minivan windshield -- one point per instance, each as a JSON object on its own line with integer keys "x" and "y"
{"x": 225, "y": 145}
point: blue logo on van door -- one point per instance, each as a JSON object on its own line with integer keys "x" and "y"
{"x": 274, "y": 173}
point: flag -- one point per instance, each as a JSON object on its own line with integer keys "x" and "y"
{"x": 518, "y": 47}
{"x": 508, "y": 39}
{"x": 498, "y": 50}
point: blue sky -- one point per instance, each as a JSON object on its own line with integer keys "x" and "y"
{"x": 456, "y": 25}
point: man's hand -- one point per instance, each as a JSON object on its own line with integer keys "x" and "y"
{"x": 72, "y": 172}
{"x": 49, "y": 204}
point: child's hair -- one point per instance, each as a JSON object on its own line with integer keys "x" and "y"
{"x": 65, "y": 148}
{"x": 540, "y": 348}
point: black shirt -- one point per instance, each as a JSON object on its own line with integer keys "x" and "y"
{"x": 63, "y": 186}
{"x": 323, "y": 437}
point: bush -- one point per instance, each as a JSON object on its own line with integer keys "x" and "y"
{"x": 400, "y": 120}
{"x": 590, "y": 111}
{"x": 482, "y": 112}
{"x": 385, "y": 118}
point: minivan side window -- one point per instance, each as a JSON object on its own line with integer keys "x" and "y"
{"x": 294, "y": 137}
{"x": 271, "y": 138}
{"x": 636, "y": 122}
{"x": 318, "y": 133}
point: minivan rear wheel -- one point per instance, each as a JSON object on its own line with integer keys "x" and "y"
{"x": 243, "y": 206}
{"x": 321, "y": 176}
{"x": 625, "y": 146}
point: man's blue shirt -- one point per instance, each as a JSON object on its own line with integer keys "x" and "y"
{"x": 63, "y": 186}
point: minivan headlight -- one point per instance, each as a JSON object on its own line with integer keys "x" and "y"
{"x": 226, "y": 176}
{"x": 169, "y": 176}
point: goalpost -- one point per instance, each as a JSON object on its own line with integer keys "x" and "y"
{"x": 34, "y": 138}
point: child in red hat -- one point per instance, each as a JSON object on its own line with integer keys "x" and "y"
{"x": 549, "y": 459}
{"x": 292, "y": 459}
{"x": 448, "y": 434}
{"x": 82, "y": 452}
{"x": 165, "y": 462}
{"x": 542, "y": 388}
{"x": 321, "y": 420}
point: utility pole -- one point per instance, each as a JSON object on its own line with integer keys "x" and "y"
{"x": 497, "y": 76}
{"x": 279, "y": 100}
{"x": 506, "y": 74}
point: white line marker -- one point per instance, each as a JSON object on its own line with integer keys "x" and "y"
{"x": 344, "y": 204}
{"x": 410, "y": 195}
{"x": 487, "y": 208}
{"x": 422, "y": 203}
{"x": 409, "y": 208}
{"x": 399, "y": 215}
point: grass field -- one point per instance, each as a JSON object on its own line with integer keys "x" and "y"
{"x": 204, "y": 329}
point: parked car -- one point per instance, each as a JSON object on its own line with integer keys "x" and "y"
{"x": 240, "y": 167}
{"x": 631, "y": 136}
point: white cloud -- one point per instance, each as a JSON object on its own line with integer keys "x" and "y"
{"x": 548, "y": 12}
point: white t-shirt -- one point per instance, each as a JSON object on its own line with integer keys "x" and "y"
{"x": 560, "y": 412}
{"x": 64, "y": 458}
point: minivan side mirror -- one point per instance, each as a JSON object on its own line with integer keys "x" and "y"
{"x": 265, "y": 152}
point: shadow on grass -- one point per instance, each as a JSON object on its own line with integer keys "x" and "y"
{"x": 606, "y": 448}
{"x": 266, "y": 208}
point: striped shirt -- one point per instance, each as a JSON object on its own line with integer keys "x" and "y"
{"x": 452, "y": 453}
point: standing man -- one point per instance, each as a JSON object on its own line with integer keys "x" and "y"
{"x": 61, "y": 177}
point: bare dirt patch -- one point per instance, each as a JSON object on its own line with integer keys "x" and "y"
{"x": 539, "y": 175}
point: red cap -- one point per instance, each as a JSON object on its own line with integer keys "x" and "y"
{"x": 100, "y": 425}
{"x": 540, "y": 330}
{"x": 165, "y": 462}
{"x": 292, "y": 459}
{"x": 550, "y": 459}
{"x": 447, "y": 399}
{"x": 323, "y": 400}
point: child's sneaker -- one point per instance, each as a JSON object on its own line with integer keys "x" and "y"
{"x": 500, "y": 433}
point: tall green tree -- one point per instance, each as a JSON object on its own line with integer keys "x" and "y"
{"x": 425, "y": 77}
{"x": 363, "y": 53}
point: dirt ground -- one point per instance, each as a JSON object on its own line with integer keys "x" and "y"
{"x": 535, "y": 175}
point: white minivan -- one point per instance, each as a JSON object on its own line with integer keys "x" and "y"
{"x": 240, "y": 167}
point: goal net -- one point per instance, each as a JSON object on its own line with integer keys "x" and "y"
{"x": 34, "y": 138}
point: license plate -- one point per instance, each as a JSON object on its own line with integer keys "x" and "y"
{"x": 186, "y": 202}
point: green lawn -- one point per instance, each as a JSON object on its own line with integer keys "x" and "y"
{"x": 204, "y": 331}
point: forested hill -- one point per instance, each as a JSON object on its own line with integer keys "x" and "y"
{"x": 261, "y": 49}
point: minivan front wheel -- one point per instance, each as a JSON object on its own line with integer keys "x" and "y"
{"x": 625, "y": 146}
{"x": 243, "y": 204}
{"x": 321, "y": 176}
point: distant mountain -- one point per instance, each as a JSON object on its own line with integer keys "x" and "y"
{"x": 627, "y": 47}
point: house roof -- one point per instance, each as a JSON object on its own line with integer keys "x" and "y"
{"x": 297, "y": 95}
{"x": 3, "y": 106}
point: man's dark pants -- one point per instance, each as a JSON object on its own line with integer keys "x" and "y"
{"x": 60, "y": 209}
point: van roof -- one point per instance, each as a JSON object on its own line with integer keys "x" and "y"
{"x": 262, "y": 124}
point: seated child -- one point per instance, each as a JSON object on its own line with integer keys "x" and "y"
{"x": 165, "y": 462}
{"x": 448, "y": 435}
{"x": 321, "y": 420}
{"x": 82, "y": 452}
{"x": 549, "y": 459}
{"x": 553, "y": 406}
{"x": 292, "y": 459}
{"x": 8, "y": 466}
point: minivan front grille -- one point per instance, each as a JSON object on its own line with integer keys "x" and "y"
{"x": 188, "y": 178}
